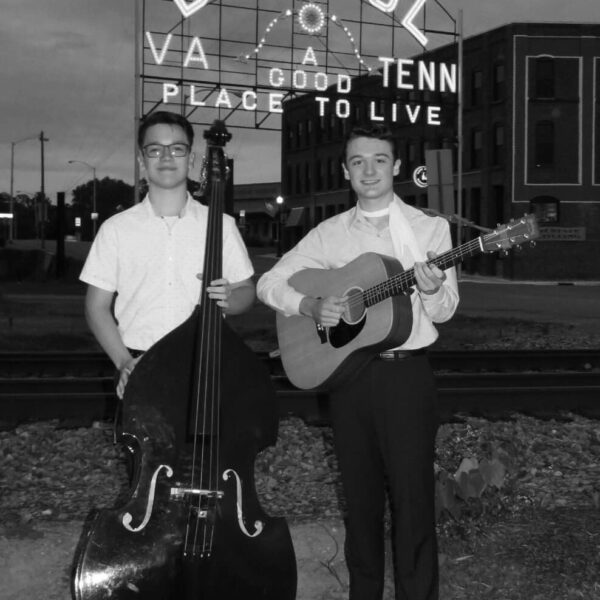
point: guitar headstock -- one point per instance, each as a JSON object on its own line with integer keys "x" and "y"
{"x": 514, "y": 233}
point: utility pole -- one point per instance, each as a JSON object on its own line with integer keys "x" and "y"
{"x": 136, "y": 97}
{"x": 12, "y": 179}
{"x": 43, "y": 194}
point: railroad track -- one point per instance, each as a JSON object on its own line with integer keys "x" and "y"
{"x": 78, "y": 387}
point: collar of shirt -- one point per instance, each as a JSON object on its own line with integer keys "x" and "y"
{"x": 406, "y": 248}
{"x": 188, "y": 210}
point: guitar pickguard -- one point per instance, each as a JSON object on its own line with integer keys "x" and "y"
{"x": 343, "y": 333}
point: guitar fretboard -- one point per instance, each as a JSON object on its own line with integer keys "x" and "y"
{"x": 398, "y": 284}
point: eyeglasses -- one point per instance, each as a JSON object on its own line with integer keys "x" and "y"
{"x": 178, "y": 149}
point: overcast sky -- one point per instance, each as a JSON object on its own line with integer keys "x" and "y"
{"x": 67, "y": 70}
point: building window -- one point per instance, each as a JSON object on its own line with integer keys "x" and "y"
{"x": 300, "y": 135}
{"x": 476, "y": 148}
{"x": 544, "y": 78}
{"x": 499, "y": 84}
{"x": 307, "y": 185}
{"x": 320, "y": 129}
{"x": 498, "y": 149}
{"x": 318, "y": 214}
{"x": 318, "y": 175}
{"x": 474, "y": 206}
{"x": 498, "y": 197}
{"x": 596, "y": 149}
{"x": 289, "y": 183}
{"x": 544, "y": 144}
{"x": 545, "y": 209}
{"x": 411, "y": 157}
{"x": 331, "y": 179}
{"x": 476, "y": 87}
{"x": 298, "y": 186}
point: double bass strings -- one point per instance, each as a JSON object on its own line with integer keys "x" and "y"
{"x": 201, "y": 514}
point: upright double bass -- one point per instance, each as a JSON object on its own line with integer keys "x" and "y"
{"x": 193, "y": 529}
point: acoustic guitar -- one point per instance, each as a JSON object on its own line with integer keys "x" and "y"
{"x": 378, "y": 314}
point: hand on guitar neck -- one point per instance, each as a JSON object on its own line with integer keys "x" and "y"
{"x": 428, "y": 276}
{"x": 324, "y": 311}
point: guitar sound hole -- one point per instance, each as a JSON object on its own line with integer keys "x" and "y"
{"x": 352, "y": 322}
{"x": 355, "y": 308}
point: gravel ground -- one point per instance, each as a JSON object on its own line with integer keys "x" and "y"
{"x": 51, "y": 473}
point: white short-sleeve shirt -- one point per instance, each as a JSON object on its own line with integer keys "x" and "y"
{"x": 152, "y": 263}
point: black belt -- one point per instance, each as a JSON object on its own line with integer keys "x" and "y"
{"x": 401, "y": 354}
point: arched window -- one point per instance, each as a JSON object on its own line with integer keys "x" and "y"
{"x": 544, "y": 78}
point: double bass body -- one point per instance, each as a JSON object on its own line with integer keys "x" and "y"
{"x": 139, "y": 550}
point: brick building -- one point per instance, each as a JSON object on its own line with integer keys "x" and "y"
{"x": 531, "y": 143}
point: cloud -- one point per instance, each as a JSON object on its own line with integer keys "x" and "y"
{"x": 68, "y": 70}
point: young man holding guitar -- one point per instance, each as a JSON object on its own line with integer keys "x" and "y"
{"x": 382, "y": 403}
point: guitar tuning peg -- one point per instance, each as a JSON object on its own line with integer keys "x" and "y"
{"x": 532, "y": 244}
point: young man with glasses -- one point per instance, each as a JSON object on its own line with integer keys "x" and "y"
{"x": 151, "y": 255}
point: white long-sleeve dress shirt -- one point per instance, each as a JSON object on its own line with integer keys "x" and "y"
{"x": 339, "y": 240}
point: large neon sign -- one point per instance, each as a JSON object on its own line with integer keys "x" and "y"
{"x": 189, "y": 8}
{"x": 279, "y": 79}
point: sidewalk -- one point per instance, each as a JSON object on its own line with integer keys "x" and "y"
{"x": 36, "y": 567}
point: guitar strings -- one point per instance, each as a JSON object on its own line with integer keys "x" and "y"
{"x": 406, "y": 279}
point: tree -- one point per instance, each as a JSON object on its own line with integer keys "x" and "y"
{"x": 112, "y": 196}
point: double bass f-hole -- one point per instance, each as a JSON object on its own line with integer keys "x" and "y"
{"x": 258, "y": 525}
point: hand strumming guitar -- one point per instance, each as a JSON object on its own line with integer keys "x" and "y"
{"x": 325, "y": 311}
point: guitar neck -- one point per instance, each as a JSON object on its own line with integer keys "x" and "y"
{"x": 402, "y": 282}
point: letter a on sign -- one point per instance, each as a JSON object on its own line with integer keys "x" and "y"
{"x": 189, "y": 8}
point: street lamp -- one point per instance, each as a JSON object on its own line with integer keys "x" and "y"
{"x": 12, "y": 178}
{"x": 94, "y": 213}
{"x": 279, "y": 202}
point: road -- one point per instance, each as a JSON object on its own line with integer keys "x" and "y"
{"x": 480, "y": 296}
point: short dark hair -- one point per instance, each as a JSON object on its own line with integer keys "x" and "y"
{"x": 378, "y": 132}
{"x": 164, "y": 117}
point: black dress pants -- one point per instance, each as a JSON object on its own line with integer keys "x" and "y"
{"x": 384, "y": 424}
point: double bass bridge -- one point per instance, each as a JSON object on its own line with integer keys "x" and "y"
{"x": 203, "y": 499}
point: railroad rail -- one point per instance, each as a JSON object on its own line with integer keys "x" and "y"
{"x": 77, "y": 388}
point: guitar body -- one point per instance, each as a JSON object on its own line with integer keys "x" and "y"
{"x": 315, "y": 357}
